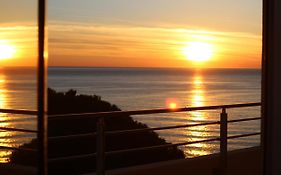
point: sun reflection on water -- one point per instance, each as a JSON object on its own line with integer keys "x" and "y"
{"x": 199, "y": 132}
{"x": 4, "y": 140}
{"x": 2, "y": 92}
{"x": 198, "y": 97}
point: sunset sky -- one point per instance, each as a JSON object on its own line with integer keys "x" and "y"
{"x": 137, "y": 33}
{"x": 18, "y": 33}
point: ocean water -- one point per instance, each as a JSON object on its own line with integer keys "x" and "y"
{"x": 143, "y": 88}
{"x": 149, "y": 88}
{"x": 17, "y": 91}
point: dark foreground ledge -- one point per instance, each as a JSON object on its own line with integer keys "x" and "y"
{"x": 242, "y": 162}
{"x": 10, "y": 169}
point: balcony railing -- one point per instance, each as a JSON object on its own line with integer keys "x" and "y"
{"x": 18, "y": 112}
{"x": 100, "y": 134}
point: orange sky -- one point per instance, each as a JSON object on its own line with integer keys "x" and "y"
{"x": 129, "y": 34}
{"x": 18, "y": 31}
{"x": 23, "y": 39}
{"x": 134, "y": 46}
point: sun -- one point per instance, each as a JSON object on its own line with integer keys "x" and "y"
{"x": 198, "y": 51}
{"x": 7, "y": 50}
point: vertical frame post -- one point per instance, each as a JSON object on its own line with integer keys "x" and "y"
{"x": 100, "y": 147}
{"x": 266, "y": 18}
{"x": 42, "y": 92}
{"x": 223, "y": 142}
{"x": 271, "y": 85}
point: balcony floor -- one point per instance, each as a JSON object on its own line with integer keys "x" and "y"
{"x": 242, "y": 162}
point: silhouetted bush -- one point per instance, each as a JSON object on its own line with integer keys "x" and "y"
{"x": 69, "y": 103}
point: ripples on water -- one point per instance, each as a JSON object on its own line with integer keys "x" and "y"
{"x": 17, "y": 91}
{"x": 133, "y": 89}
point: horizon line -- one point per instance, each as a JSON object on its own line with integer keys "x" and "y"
{"x": 109, "y": 67}
{"x": 133, "y": 67}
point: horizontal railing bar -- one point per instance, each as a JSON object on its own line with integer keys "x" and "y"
{"x": 152, "y": 111}
{"x": 147, "y": 148}
{"x": 161, "y": 146}
{"x": 18, "y": 130}
{"x": 131, "y": 131}
{"x": 243, "y": 135}
{"x": 135, "y": 130}
{"x": 18, "y": 149}
{"x": 51, "y": 138}
{"x": 161, "y": 128}
{"x": 18, "y": 111}
{"x": 243, "y": 120}
{"x": 68, "y": 158}
{"x": 145, "y": 129}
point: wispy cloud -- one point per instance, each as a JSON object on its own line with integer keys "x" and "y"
{"x": 157, "y": 44}
{"x": 24, "y": 39}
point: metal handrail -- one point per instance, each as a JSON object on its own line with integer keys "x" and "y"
{"x": 18, "y": 112}
{"x": 69, "y": 158}
{"x": 151, "y": 111}
{"x": 243, "y": 135}
{"x": 162, "y": 146}
{"x": 131, "y": 131}
{"x": 18, "y": 130}
{"x": 18, "y": 149}
{"x": 51, "y": 138}
{"x": 109, "y": 153}
{"x": 160, "y": 128}
{"x": 101, "y": 133}
{"x": 244, "y": 120}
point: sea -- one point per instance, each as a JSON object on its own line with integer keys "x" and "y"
{"x": 17, "y": 91}
{"x": 144, "y": 88}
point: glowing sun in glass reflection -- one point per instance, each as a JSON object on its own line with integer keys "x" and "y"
{"x": 198, "y": 51}
{"x": 7, "y": 50}
{"x": 173, "y": 105}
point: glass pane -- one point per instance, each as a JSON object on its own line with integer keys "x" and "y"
{"x": 18, "y": 80}
{"x": 149, "y": 54}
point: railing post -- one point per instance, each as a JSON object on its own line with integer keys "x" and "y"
{"x": 223, "y": 142}
{"x": 42, "y": 122}
{"x": 100, "y": 147}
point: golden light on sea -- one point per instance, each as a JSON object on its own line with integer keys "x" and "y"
{"x": 2, "y": 92}
{"x": 4, "y": 136}
{"x": 197, "y": 91}
{"x": 7, "y": 50}
{"x": 198, "y": 97}
{"x": 198, "y": 132}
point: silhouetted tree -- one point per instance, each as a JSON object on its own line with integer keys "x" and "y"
{"x": 70, "y": 102}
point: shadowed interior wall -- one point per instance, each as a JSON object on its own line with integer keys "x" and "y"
{"x": 272, "y": 87}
